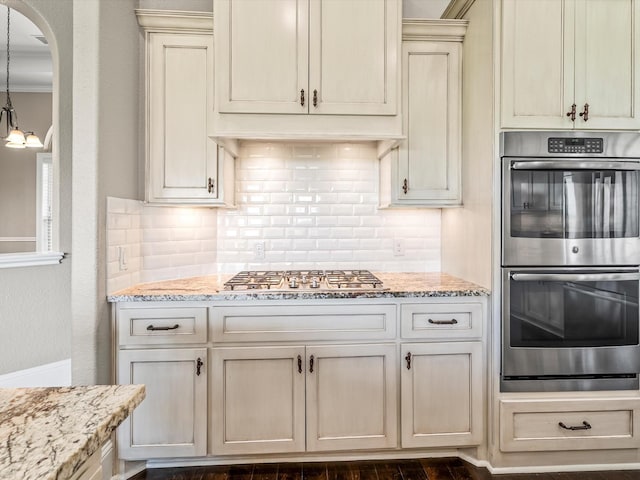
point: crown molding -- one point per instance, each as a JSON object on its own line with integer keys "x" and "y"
{"x": 170, "y": 20}
{"x": 434, "y": 29}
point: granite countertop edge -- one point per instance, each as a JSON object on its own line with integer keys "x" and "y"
{"x": 28, "y": 451}
{"x": 211, "y": 289}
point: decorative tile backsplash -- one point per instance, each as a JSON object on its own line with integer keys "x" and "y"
{"x": 299, "y": 206}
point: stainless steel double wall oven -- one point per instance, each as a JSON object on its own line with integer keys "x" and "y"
{"x": 570, "y": 260}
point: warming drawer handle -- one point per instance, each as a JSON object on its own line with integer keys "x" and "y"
{"x": 585, "y": 426}
{"x": 573, "y": 277}
{"x": 453, "y": 321}
{"x": 574, "y": 165}
{"x": 151, "y": 328}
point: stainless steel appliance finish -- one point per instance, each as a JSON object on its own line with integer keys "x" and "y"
{"x": 570, "y": 329}
{"x": 305, "y": 280}
{"x": 570, "y": 258}
{"x": 570, "y": 198}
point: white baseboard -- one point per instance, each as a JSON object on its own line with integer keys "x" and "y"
{"x": 56, "y": 374}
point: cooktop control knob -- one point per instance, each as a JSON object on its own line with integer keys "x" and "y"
{"x": 293, "y": 283}
{"x": 315, "y": 283}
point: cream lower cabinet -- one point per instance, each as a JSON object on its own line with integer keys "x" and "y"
{"x": 442, "y": 394}
{"x": 443, "y": 373}
{"x": 171, "y": 421}
{"x": 259, "y": 403}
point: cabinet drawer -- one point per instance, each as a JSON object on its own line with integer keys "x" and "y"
{"x": 155, "y": 326}
{"x": 307, "y": 322}
{"x": 441, "y": 320}
{"x": 531, "y": 426}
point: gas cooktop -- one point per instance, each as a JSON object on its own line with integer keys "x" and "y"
{"x": 305, "y": 280}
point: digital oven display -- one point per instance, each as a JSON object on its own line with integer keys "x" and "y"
{"x": 575, "y": 145}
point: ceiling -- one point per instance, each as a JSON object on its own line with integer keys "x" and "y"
{"x": 31, "y": 65}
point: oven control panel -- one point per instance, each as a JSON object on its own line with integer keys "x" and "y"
{"x": 575, "y": 145}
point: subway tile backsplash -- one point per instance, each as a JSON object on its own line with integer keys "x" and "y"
{"x": 309, "y": 206}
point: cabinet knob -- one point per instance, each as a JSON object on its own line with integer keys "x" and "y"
{"x": 572, "y": 113}
{"x": 302, "y": 97}
{"x": 405, "y": 186}
{"x": 585, "y": 112}
{"x": 210, "y": 185}
{"x": 315, "y": 98}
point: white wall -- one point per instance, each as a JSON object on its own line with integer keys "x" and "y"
{"x": 35, "y": 308}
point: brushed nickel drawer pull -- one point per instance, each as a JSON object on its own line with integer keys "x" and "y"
{"x": 585, "y": 426}
{"x": 151, "y": 328}
{"x": 453, "y": 321}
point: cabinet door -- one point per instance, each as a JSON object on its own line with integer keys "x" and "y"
{"x": 537, "y": 63}
{"x": 182, "y": 161}
{"x": 606, "y": 63}
{"x": 442, "y": 394}
{"x": 351, "y": 397}
{"x": 257, "y": 400}
{"x": 429, "y": 160}
{"x": 172, "y": 419}
{"x": 354, "y": 56}
{"x": 262, "y": 55}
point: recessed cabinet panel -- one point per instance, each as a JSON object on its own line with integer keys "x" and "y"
{"x": 570, "y": 64}
{"x": 442, "y": 394}
{"x": 353, "y": 54}
{"x": 537, "y": 76}
{"x": 265, "y": 45}
{"x": 568, "y": 424}
{"x": 169, "y": 422}
{"x": 182, "y": 161}
{"x": 257, "y": 400}
{"x": 429, "y": 159}
{"x": 606, "y": 62}
{"x": 351, "y": 399}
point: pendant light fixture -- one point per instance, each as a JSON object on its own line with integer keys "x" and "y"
{"x": 15, "y": 138}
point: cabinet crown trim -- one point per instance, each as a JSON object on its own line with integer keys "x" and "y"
{"x": 169, "y": 20}
{"x": 434, "y": 29}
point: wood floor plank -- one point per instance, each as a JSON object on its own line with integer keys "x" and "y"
{"x": 314, "y": 471}
{"x": 414, "y": 470}
{"x": 217, "y": 472}
{"x": 265, "y": 471}
{"x": 290, "y": 471}
{"x": 240, "y": 472}
{"x": 388, "y": 470}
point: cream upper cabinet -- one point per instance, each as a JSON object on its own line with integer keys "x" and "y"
{"x": 183, "y": 164}
{"x": 570, "y": 64}
{"x": 425, "y": 169}
{"x": 307, "y": 56}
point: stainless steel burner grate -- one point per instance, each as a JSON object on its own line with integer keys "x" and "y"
{"x": 305, "y": 280}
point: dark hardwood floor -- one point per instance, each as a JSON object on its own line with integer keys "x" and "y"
{"x": 429, "y": 469}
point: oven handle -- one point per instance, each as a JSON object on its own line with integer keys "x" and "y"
{"x": 574, "y": 165}
{"x": 574, "y": 277}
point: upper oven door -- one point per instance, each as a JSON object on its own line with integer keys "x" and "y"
{"x": 570, "y": 212}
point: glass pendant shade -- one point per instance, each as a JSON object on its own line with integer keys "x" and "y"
{"x": 16, "y": 136}
{"x": 32, "y": 141}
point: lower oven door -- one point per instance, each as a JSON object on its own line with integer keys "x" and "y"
{"x": 570, "y": 323}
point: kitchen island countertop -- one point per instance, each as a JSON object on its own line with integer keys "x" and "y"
{"x": 211, "y": 288}
{"x": 48, "y": 433}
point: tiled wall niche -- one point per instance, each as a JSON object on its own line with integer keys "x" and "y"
{"x": 311, "y": 206}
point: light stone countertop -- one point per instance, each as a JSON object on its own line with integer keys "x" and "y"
{"x": 48, "y": 433}
{"x": 211, "y": 288}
